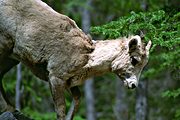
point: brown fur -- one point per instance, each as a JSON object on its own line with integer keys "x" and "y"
{"x": 45, "y": 41}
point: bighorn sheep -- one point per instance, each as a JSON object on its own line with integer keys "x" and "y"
{"x": 57, "y": 51}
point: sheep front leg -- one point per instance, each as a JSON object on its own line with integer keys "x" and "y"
{"x": 76, "y": 94}
{"x": 58, "y": 88}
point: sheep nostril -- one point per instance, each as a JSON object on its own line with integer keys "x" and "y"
{"x": 133, "y": 86}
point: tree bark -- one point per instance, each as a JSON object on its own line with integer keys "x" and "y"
{"x": 121, "y": 107}
{"x": 142, "y": 89}
{"x": 18, "y": 87}
{"x": 89, "y": 94}
{"x": 141, "y": 101}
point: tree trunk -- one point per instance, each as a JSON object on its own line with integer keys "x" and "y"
{"x": 121, "y": 107}
{"x": 141, "y": 100}
{"x": 18, "y": 87}
{"x": 89, "y": 95}
{"x": 86, "y": 18}
{"x": 142, "y": 89}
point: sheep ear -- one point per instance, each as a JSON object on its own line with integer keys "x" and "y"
{"x": 134, "y": 42}
{"x": 148, "y": 46}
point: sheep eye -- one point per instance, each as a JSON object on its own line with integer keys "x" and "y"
{"x": 134, "y": 61}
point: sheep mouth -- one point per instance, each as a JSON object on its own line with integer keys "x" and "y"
{"x": 130, "y": 83}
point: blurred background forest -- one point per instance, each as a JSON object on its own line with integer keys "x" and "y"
{"x": 105, "y": 97}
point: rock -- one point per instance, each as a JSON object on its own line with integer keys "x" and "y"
{"x": 7, "y": 116}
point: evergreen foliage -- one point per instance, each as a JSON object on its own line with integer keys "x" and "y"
{"x": 161, "y": 28}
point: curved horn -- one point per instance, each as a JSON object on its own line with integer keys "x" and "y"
{"x": 142, "y": 34}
